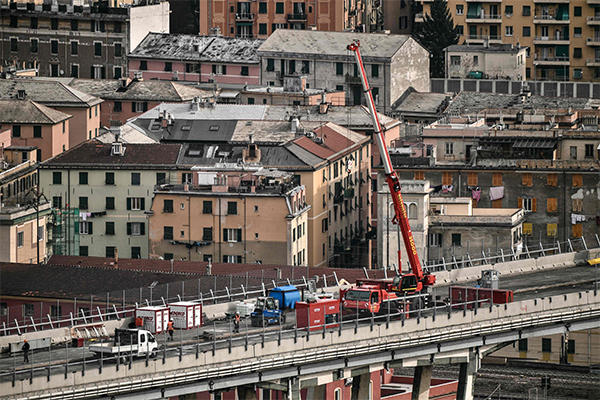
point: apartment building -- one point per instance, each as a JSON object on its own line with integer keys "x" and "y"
{"x": 232, "y": 214}
{"x": 81, "y": 41}
{"x": 262, "y": 18}
{"x": 33, "y": 124}
{"x": 196, "y": 58}
{"x": 83, "y": 107}
{"x": 111, "y": 185}
{"x": 563, "y": 35}
{"x": 331, "y": 162}
{"x": 501, "y": 61}
{"x": 393, "y": 63}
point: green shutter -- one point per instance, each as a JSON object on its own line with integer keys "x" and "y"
{"x": 132, "y": 105}
{"x": 129, "y": 203}
{"x": 142, "y": 229}
{"x": 129, "y": 228}
{"x": 225, "y": 239}
{"x": 143, "y": 203}
{"x": 90, "y": 228}
{"x": 239, "y": 235}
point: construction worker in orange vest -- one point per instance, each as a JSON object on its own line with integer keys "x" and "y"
{"x": 236, "y": 323}
{"x": 170, "y": 329}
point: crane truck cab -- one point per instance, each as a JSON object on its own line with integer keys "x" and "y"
{"x": 369, "y": 297}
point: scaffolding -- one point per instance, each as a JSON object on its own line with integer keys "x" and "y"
{"x": 65, "y": 231}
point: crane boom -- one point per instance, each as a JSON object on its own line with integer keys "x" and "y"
{"x": 391, "y": 177}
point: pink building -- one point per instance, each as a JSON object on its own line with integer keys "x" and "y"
{"x": 195, "y": 58}
{"x": 32, "y": 124}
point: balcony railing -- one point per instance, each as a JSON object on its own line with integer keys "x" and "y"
{"x": 353, "y": 79}
{"x": 244, "y": 17}
{"x": 484, "y": 37}
{"x": 297, "y": 17}
{"x": 484, "y": 16}
{"x": 595, "y": 39}
{"x": 551, "y": 18}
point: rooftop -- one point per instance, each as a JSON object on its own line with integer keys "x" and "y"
{"x": 127, "y": 89}
{"x": 29, "y": 112}
{"x": 51, "y": 93}
{"x": 95, "y": 153}
{"x": 422, "y": 103}
{"x": 332, "y": 44}
{"x": 499, "y": 48}
{"x": 176, "y": 46}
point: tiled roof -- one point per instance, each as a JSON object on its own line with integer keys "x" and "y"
{"x": 49, "y": 92}
{"x": 332, "y": 44}
{"x": 111, "y": 89}
{"x": 334, "y": 141}
{"x": 171, "y": 46}
{"x": 29, "y": 112}
{"x": 95, "y": 153}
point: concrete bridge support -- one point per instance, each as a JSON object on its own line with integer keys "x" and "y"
{"x": 421, "y": 382}
{"x": 360, "y": 386}
{"x": 247, "y": 392}
{"x": 466, "y": 377}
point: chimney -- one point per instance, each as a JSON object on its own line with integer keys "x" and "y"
{"x": 323, "y": 97}
{"x": 251, "y": 138}
{"x": 209, "y": 267}
{"x": 138, "y": 76}
{"x": 295, "y": 124}
{"x": 116, "y": 257}
{"x": 21, "y": 94}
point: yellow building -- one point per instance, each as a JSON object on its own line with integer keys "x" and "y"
{"x": 563, "y": 36}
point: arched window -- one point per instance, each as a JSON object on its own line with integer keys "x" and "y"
{"x": 412, "y": 211}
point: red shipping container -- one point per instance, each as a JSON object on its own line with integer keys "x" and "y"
{"x": 313, "y": 315}
{"x": 155, "y": 318}
{"x": 186, "y": 315}
{"x": 475, "y": 295}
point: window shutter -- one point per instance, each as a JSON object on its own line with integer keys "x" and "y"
{"x": 534, "y": 205}
{"x": 239, "y": 235}
{"x": 143, "y": 205}
{"x": 145, "y": 106}
{"x": 102, "y": 29}
{"x": 90, "y": 228}
{"x": 133, "y": 106}
{"x": 225, "y": 235}
{"x": 129, "y": 203}
{"x": 92, "y": 71}
{"x": 103, "y": 72}
{"x": 142, "y": 229}
{"x": 93, "y": 27}
{"x": 239, "y": 259}
{"x": 224, "y": 69}
{"x": 520, "y": 202}
{"x": 224, "y": 259}
{"x": 129, "y": 228}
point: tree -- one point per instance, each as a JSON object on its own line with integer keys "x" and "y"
{"x": 436, "y": 33}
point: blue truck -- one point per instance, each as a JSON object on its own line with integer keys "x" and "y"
{"x": 269, "y": 310}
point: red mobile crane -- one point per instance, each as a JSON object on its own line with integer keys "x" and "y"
{"x": 411, "y": 282}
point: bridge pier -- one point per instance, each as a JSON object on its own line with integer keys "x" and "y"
{"x": 316, "y": 392}
{"x": 466, "y": 377}
{"x": 421, "y": 382}
{"x": 293, "y": 392}
{"x": 247, "y": 392}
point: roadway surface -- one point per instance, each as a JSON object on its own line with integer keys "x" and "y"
{"x": 217, "y": 333}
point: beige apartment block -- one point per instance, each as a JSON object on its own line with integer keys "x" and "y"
{"x": 23, "y": 233}
{"x": 563, "y": 35}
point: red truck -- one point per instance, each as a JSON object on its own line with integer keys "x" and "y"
{"x": 372, "y": 297}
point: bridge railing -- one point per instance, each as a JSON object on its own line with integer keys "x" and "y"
{"x": 116, "y": 305}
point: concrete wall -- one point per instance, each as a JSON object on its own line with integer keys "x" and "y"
{"x": 83, "y": 124}
{"x": 150, "y": 18}
{"x": 409, "y": 67}
{"x": 54, "y": 138}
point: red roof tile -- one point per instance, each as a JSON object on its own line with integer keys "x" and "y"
{"x": 333, "y": 142}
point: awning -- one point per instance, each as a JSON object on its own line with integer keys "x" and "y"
{"x": 244, "y": 23}
{"x": 535, "y": 144}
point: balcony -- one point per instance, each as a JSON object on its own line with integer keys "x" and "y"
{"x": 551, "y": 19}
{"x": 480, "y": 39}
{"x": 593, "y": 2}
{"x": 593, "y": 41}
{"x": 296, "y": 17}
{"x": 549, "y": 61}
{"x": 484, "y": 1}
{"x": 353, "y": 80}
{"x": 554, "y": 40}
{"x": 244, "y": 16}
{"x": 484, "y": 19}
{"x": 551, "y": 1}
{"x": 593, "y": 62}
{"x": 593, "y": 21}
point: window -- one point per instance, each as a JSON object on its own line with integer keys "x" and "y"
{"x": 109, "y": 252}
{"x": 110, "y": 203}
{"x": 526, "y": 31}
{"x": 475, "y": 61}
{"x": 98, "y": 48}
{"x": 143, "y": 65}
{"x": 20, "y": 239}
{"x": 168, "y": 256}
{"x": 109, "y": 228}
{"x": 446, "y": 178}
{"x": 83, "y": 203}
{"x": 54, "y": 46}
{"x": 139, "y": 106}
{"x": 527, "y": 179}
{"x": 14, "y": 21}
{"x": 16, "y": 131}
{"x": 168, "y": 66}
{"x": 74, "y": 48}
{"x": 28, "y": 310}
{"x": 207, "y": 234}
{"x": 219, "y": 69}
{"x": 231, "y": 208}
{"x": 577, "y": 230}
{"x": 522, "y": 344}
{"x": 419, "y": 175}
{"x": 232, "y": 235}
{"x": 551, "y": 229}
{"x": 244, "y": 71}
{"x": 136, "y": 252}
{"x": 74, "y": 25}
{"x": 552, "y": 179}
{"x": 168, "y": 206}
{"x": 168, "y": 233}
{"x": 119, "y": 52}
{"x": 270, "y": 63}
{"x": 449, "y": 148}
{"x": 232, "y": 259}
{"x": 40, "y": 233}
{"x": 339, "y": 68}
{"x": 508, "y": 30}
{"x": 262, "y": 8}
{"x": 577, "y": 205}
{"x": 546, "y": 345}
{"x": 577, "y": 73}
{"x": 571, "y": 346}
{"x": 135, "y": 178}
{"x": 454, "y": 60}
{"x": 577, "y": 180}
{"x": 589, "y": 150}
{"x": 54, "y": 24}
{"x": 577, "y": 52}
{"x": 191, "y": 68}
{"x": 207, "y": 207}
{"x": 186, "y": 177}
{"x": 57, "y": 202}
{"x": 74, "y": 71}
{"x": 435, "y": 239}
{"x": 552, "y": 204}
{"x": 577, "y": 32}
{"x": 460, "y": 30}
{"x": 83, "y": 178}
{"x": 527, "y": 204}
{"x": 577, "y": 11}
{"x": 135, "y": 203}
{"x": 117, "y": 27}
{"x": 497, "y": 179}
{"x": 472, "y": 179}
{"x": 456, "y": 239}
{"x": 460, "y": 9}
{"x": 136, "y": 228}
{"x": 262, "y": 28}
{"x": 526, "y": 11}
{"x": 33, "y": 47}
{"x": 528, "y": 229}
{"x": 55, "y": 311}
{"x": 279, "y": 9}
{"x": 86, "y": 228}
{"x": 508, "y": 10}
{"x": 84, "y": 251}
{"x": 497, "y": 203}
{"x": 109, "y": 178}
